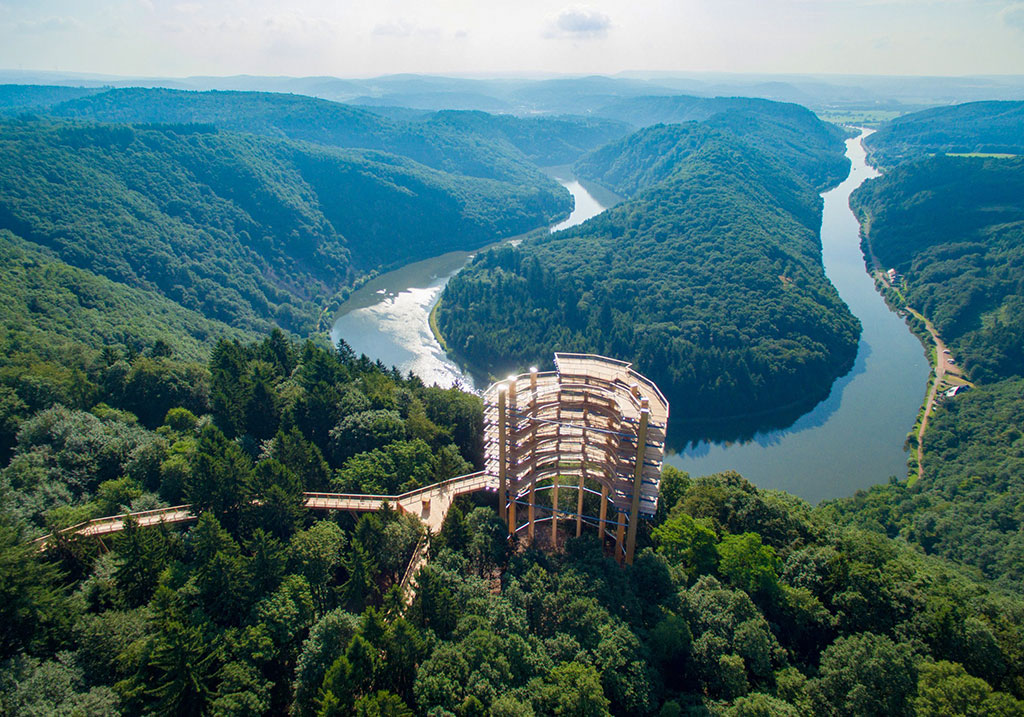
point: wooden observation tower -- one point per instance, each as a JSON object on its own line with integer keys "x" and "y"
{"x": 595, "y": 425}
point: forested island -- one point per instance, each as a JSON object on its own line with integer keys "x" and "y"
{"x": 150, "y": 264}
{"x": 709, "y": 276}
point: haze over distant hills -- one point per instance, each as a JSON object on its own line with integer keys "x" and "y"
{"x": 575, "y": 94}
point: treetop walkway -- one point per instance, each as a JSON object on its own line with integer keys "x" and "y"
{"x": 430, "y": 504}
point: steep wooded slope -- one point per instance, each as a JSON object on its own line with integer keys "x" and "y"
{"x": 471, "y": 143}
{"x": 790, "y": 132}
{"x": 247, "y": 230}
{"x": 709, "y": 278}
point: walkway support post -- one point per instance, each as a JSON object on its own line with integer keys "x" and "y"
{"x": 638, "y": 477}
{"x": 554, "y": 512}
{"x": 603, "y": 519}
{"x": 502, "y": 458}
{"x": 620, "y": 530}
{"x": 579, "y": 509}
{"x": 514, "y": 492}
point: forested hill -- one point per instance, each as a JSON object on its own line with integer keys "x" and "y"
{"x": 545, "y": 141}
{"x": 245, "y": 229}
{"x": 791, "y": 132}
{"x": 56, "y": 311}
{"x": 709, "y": 278}
{"x": 974, "y": 127}
{"x": 471, "y": 143}
{"x": 954, "y": 226}
{"x": 19, "y": 99}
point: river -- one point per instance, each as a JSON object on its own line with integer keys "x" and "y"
{"x": 387, "y": 318}
{"x": 853, "y": 439}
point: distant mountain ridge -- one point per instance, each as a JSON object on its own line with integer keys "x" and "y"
{"x": 474, "y": 144}
{"x": 582, "y": 94}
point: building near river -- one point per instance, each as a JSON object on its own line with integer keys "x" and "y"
{"x": 593, "y": 427}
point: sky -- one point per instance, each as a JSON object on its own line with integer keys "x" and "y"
{"x": 177, "y": 38}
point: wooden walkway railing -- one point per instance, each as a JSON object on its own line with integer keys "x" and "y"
{"x": 429, "y": 503}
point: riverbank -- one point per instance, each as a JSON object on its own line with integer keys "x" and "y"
{"x": 945, "y": 374}
{"x": 855, "y": 438}
{"x": 392, "y": 317}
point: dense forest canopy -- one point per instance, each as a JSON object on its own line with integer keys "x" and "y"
{"x": 974, "y": 127}
{"x": 790, "y": 132}
{"x": 741, "y": 601}
{"x": 248, "y": 230}
{"x": 50, "y": 305}
{"x": 709, "y": 277}
{"x": 954, "y": 227}
{"x": 128, "y": 249}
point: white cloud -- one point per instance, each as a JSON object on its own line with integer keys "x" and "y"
{"x": 1013, "y": 15}
{"x": 579, "y": 22}
{"x": 403, "y": 28}
{"x": 49, "y": 24}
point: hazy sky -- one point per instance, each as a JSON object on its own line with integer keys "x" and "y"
{"x": 361, "y": 39}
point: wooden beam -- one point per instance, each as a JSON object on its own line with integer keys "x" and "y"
{"x": 603, "y": 520}
{"x": 638, "y": 476}
{"x": 579, "y": 508}
{"x": 554, "y": 512}
{"x": 620, "y": 529}
{"x": 502, "y": 458}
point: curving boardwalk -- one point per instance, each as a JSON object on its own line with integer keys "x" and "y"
{"x": 430, "y": 504}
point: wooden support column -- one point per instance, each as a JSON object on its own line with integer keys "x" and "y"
{"x": 638, "y": 476}
{"x": 502, "y": 453}
{"x": 512, "y": 512}
{"x": 533, "y": 451}
{"x": 583, "y": 470}
{"x": 620, "y": 529}
{"x": 530, "y": 512}
{"x": 554, "y": 483}
{"x": 554, "y": 512}
{"x": 513, "y": 491}
{"x": 579, "y": 508}
{"x": 603, "y": 520}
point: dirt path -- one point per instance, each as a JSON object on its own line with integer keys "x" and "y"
{"x": 946, "y": 371}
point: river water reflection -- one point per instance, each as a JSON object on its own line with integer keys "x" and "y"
{"x": 854, "y": 438}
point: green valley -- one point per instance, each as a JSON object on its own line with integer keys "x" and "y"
{"x": 247, "y": 230}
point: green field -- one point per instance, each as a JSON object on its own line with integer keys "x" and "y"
{"x": 861, "y": 118}
{"x": 995, "y": 155}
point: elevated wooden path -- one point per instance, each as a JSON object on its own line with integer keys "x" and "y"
{"x": 430, "y": 504}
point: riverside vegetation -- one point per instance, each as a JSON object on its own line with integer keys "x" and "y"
{"x": 741, "y": 601}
